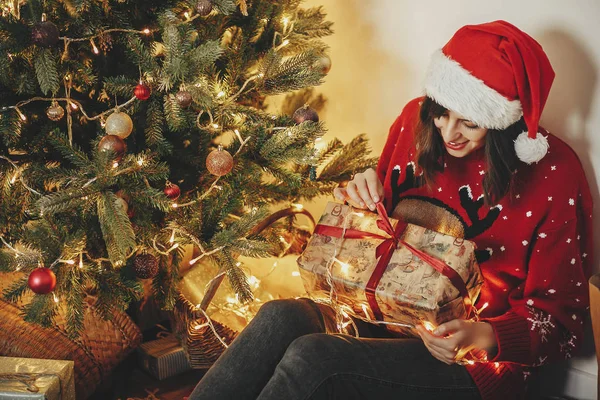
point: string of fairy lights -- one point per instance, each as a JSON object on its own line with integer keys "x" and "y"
{"x": 82, "y": 259}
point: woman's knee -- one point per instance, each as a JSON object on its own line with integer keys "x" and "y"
{"x": 312, "y": 350}
{"x": 288, "y": 309}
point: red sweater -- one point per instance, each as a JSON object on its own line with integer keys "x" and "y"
{"x": 534, "y": 248}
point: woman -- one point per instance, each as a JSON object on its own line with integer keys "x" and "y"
{"x": 470, "y": 160}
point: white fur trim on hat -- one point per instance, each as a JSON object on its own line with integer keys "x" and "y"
{"x": 531, "y": 150}
{"x": 453, "y": 87}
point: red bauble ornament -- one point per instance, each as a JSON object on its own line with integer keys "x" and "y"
{"x": 142, "y": 91}
{"x": 172, "y": 191}
{"x": 145, "y": 266}
{"x": 219, "y": 162}
{"x": 114, "y": 144}
{"x": 305, "y": 113}
{"x": 42, "y": 280}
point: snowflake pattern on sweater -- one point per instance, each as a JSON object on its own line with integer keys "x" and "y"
{"x": 534, "y": 248}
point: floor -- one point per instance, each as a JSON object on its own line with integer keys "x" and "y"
{"x": 130, "y": 382}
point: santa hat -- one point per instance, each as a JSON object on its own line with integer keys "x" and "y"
{"x": 492, "y": 74}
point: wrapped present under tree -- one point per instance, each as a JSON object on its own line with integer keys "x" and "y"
{"x": 390, "y": 271}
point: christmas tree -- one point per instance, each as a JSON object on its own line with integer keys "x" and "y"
{"x": 130, "y": 129}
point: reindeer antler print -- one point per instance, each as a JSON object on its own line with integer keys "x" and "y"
{"x": 409, "y": 181}
{"x": 471, "y": 206}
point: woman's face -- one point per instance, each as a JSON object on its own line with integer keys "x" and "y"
{"x": 461, "y": 137}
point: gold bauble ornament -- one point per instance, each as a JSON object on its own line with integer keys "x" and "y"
{"x": 119, "y": 124}
{"x": 55, "y": 112}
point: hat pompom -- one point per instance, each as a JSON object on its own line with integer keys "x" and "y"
{"x": 531, "y": 150}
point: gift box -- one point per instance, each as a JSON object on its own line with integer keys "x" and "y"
{"x": 163, "y": 358}
{"x": 390, "y": 271}
{"x": 31, "y": 378}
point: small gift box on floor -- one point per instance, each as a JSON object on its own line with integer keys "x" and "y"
{"x": 387, "y": 270}
{"x": 31, "y": 378}
{"x": 163, "y": 358}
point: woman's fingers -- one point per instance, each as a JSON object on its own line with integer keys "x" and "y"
{"x": 446, "y": 347}
{"x": 441, "y": 355}
{"x": 375, "y": 186}
{"x": 363, "y": 191}
{"x": 353, "y": 194}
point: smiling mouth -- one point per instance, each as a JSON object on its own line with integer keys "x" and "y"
{"x": 457, "y": 144}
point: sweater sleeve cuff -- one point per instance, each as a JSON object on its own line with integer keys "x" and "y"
{"x": 512, "y": 336}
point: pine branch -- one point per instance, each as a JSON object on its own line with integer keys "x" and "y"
{"x": 72, "y": 153}
{"x": 294, "y": 73}
{"x": 225, "y": 7}
{"x": 74, "y": 298}
{"x": 349, "y": 160}
{"x": 16, "y": 290}
{"x": 64, "y": 200}
{"x": 154, "y": 128}
{"x": 174, "y": 114}
{"x": 46, "y": 69}
{"x": 204, "y": 56}
{"x": 10, "y": 127}
{"x": 116, "y": 229}
{"x": 40, "y": 310}
{"x": 236, "y": 276}
{"x": 119, "y": 85}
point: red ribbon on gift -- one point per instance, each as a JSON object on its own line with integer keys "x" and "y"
{"x": 385, "y": 251}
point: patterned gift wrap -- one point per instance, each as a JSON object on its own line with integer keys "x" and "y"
{"x": 163, "y": 358}
{"x": 407, "y": 289}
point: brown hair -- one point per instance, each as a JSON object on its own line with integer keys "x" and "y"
{"x": 499, "y": 150}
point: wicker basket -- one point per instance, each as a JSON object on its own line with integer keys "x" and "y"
{"x": 102, "y": 345}
{"x": 189, "y": 321}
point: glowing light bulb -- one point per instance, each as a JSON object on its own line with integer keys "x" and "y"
{"x": 285, "y": 43}
{"x": 115, "y": 164}
{"x": 344, "y": 266}
{"x": 21, "y": 115}
{"x": 220, "y": 94}
{"x": 497, "y": 365}
{"x": 14, "y": 178}
{"x": 73, "y": 105}
{"x": 172, "y": 239}
{"x": 216, "y": 126}
{"x": 428, "y": 326}
{"x": 140, "y": 162}
{"x": 94, "y": 48}
{"x": 186, "y": 15}
{"x": 298, "y": 206}
{"x": 55, "y": 297}
{"x": 80, "y": 261}
{"x": 174, "y": 205}
{"x": 238, "y": 264}
{"x": 146, "y": 31}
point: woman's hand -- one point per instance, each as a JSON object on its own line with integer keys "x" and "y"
{"x": 363, "y": 191}
{"x": 457, "y": 337}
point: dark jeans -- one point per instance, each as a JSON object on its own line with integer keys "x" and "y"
{"x": 285, "y": 354}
